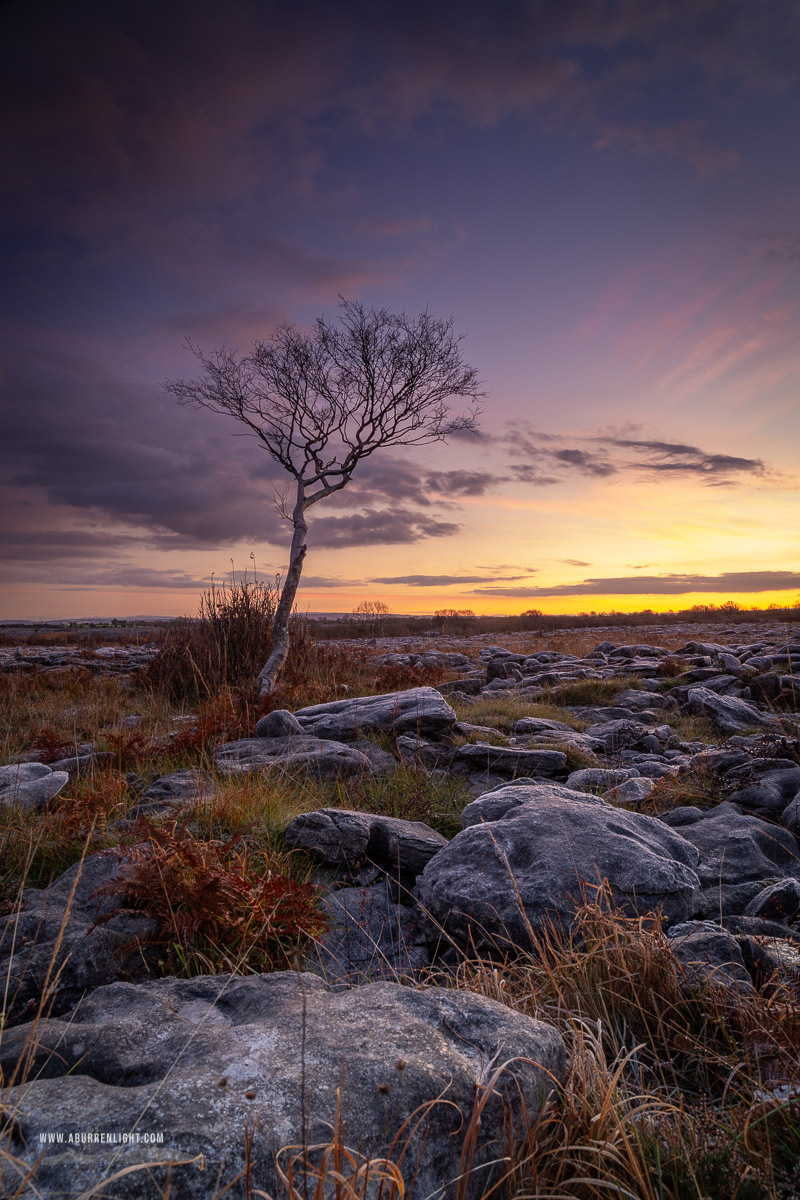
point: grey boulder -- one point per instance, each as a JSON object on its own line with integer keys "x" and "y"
{"x": 790, "y": 817}
{"x": 30, "y": 785}
{"x": 625, "y": 734}
{"x": 280, "y": 723}
{"x": 344, "y": 837}
{"x": 216, "y": 1062}
{"x": 534, "y": 865}
{"x": 420, "y": 710}
{"x": 629, "y": 793}
{"x": 369, "y": 937}
{"x": 537, "y": 725}
{"x": 170, "y": 791}
{"x": 778, "y": 902}
{"x": 710, "y": 955}
{"x": 78, "y": 766}
{"x": 509, "y": 762}
{"x": 51, "y": 951}
{"x": 729, "y": 713}
{"x": 600, "y": 779}
{"x": 768, "y": 787}
{"x": 494, "y": 804}
{"x": 739, "y": 855}
{"x": 325, "y": 759}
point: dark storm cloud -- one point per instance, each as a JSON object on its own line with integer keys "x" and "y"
{"x": 663, "y": 585}
{"x": 67, "y": 544}
{"x": 462, "y": 483}
{"x": 124, "y": 113}
{"x": 388, "y": 479}
{"x": 136, "y": 577}
{"x": 92, "y": 441}
{"x": 443, "y": 580}
{"x": 378, "y": 527}
{"x": 123, "y": 453}
{"x": 603, "y": 456}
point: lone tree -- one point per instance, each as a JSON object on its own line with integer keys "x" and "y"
{"x": 322, "y": 401}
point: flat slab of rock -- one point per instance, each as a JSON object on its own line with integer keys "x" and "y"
{"x": 420, "y": 710}
{"x": 494, "y": 804}
{"x": 730, "y": 714}
{"x": 625, "y": 734}
{"x": 178, "y": 787}
{"x": 600, "y": 779}
{"x": 532, "y": 865}
{"x": 214, "y": 1060}
{"x": 78, "y": 766}
{"x": 326, "y": 759}
{"x": 767, "y": 787}
{"x": 536, "y": 725}
{"x": 509, "y": 762}
{"x": 344, "y": 837}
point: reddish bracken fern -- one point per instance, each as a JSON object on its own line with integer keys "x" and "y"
{"x": 215, "y": 906}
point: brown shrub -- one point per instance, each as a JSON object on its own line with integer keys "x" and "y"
{"x": 217, "y": 907}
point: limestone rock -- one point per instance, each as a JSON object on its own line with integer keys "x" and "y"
{"x": 347, "y": 838}
{"x": 368, "y": 938}
{"x": 542, "y": 855}
{"x": 30, "y": 785}
{"x": 738, "y": 855}
{"x": 280, "y": 723}
{"x": 508, "y": 761}
{"x": 710, "y": 955}
{"x": 600, "y": 779}
{"x": 420, "y": 710}
{"x": 326, "y": 759}
{"x": 214, "y": 1060}
{"x": 729, "y": 713}
{"x": 777, "y": 902}
{"x": 87, "y": 956}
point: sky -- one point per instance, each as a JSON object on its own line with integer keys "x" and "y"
{"x": 603, "y": 195}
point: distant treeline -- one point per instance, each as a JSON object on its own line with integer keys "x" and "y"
{"x": 463, "y": 623}
{"x": 453, "y": 622}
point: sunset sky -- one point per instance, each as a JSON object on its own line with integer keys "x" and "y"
{"x": 604, "y": 195}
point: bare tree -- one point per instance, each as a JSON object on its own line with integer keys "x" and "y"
{"x": 372, "y": 608}
{"x": 322, "y": 401}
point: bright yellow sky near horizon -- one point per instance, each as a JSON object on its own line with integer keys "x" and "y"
{"x": 512, "y": 539}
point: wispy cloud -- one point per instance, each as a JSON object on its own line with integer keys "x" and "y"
{"x": 551, "y": 458}
{"x": 663, "y": 585}
{"x": 444, "y": 580}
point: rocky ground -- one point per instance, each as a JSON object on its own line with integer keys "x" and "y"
{"x": 666, "y": 781}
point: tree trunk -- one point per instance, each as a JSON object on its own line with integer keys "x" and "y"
{"x": 280, "y": 625}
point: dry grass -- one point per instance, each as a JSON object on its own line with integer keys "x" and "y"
{"x": 668, "y": 1091}
{"x": 502, "y": 711}
{"x": 58, "y": 712}
{"x": 671, "y": 1094}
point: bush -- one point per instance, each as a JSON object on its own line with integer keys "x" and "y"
{"x": 225, "y": 646}
{"x": 217, "y": 907}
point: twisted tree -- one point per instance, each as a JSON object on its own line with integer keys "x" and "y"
{"x": 321, "y": 401}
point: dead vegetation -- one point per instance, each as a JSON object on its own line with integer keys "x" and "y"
{"x": 672, "y": 1093}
